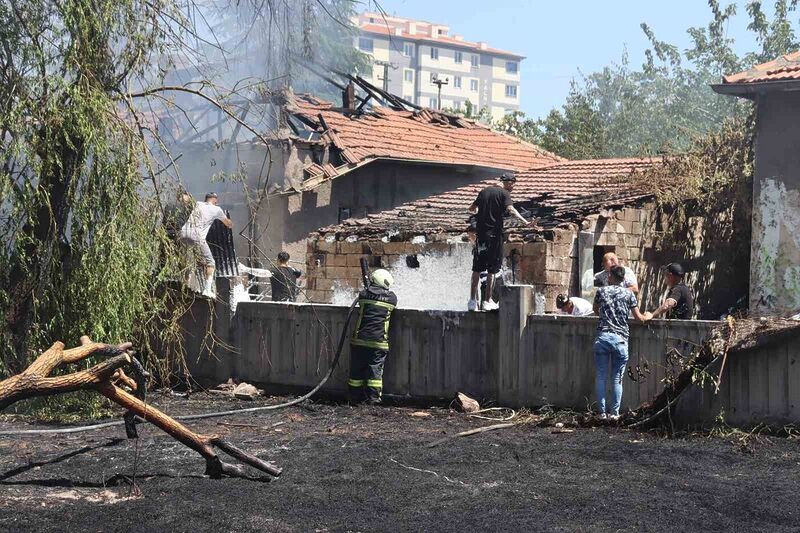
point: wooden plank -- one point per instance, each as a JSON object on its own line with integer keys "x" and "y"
{"x": 777, "y": 394}
{"x": 740, "y": 381}
{"x": 793, "y": 379}
{"x": 757, "y": 385}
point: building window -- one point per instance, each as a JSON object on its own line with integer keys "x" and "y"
{"x": 433, "y": 102}
{"x": 408, "y": 75}
{"x": 457, "y": 105}
{"x": 512, "y": 67}
{"x": 473, "y": 85}
{"x": 408, "y": 49}
{"x": 364, "y": 44}
{"x": 511, "y": 91}
{"x": 457, "y": 82}
{"x": 344, "y": 214}
{"x": 434, "y": 53}
{"x": 476, "y": 60}
{"x": 372, "y": 20}
{"x": 459, "y": 57}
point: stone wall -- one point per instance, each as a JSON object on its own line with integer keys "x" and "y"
{"x": 550, "y": 263}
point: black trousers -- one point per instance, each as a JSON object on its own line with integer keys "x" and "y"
{"x": 366, "y": 373}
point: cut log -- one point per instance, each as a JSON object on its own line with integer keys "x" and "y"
{"x": 105, "y": 378}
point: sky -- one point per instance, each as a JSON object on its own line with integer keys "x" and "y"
{"x": 563, "y": 38}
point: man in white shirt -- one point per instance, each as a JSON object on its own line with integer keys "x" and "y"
{"x": 194, "y": 233}
{"x": 601, "y": 279}
{"x": 573, "y": 306}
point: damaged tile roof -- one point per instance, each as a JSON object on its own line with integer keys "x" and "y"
{"x": 784, "y": 68}
{"x": 424, "y": 135}
{"x": 562, "y": 192}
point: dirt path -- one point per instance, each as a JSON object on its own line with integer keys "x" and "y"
{"x": 367, "y": 469}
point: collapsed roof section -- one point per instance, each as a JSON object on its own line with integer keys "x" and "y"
{"x": 356, "y": 137}
{"x": 559, "y": 193}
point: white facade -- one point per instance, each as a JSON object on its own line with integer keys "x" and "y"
{"x": 416, "y": 53}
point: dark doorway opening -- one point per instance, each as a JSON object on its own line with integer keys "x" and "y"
{"x": 599, "y": 252}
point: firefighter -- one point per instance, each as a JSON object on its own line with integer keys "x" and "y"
{"x": 369, "y": 345}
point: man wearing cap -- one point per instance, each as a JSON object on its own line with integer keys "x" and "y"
{"x": 574, "y": 306}
{"x": 194, "y": 233}
{"x": 491, "y": 204}
{"x": 679, "y": 303}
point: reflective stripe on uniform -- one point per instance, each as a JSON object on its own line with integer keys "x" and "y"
{"x": 356, "y": 382}
{"x": 381, "y": 345}
{"x": 377, "y": 303}
{"x": 375, "y": 383}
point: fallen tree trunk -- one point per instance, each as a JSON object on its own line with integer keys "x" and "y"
{"x": 107, "y": 378}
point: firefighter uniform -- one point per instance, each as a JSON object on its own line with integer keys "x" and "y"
{"x": 369, "y": 345}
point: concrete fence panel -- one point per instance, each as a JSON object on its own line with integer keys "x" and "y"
{"x": 513, "y": 357}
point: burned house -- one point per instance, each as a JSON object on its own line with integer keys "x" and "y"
{"x": 326, "y": 164}
{"x": 583, "y": 208}
{"x": 775, "y": 247}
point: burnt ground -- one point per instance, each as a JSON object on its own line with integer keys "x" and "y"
{"x": 367, "y": 469}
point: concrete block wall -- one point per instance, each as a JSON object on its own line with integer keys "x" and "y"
{"x": 337, "y": 263}
{"x": 551, "y": 264}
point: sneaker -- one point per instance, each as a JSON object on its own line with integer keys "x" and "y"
{"x": 489, "y": 305}
{"x": 602, "y": 416}
{"x": 613, "y": 417}
{"x": 472, "y": 305}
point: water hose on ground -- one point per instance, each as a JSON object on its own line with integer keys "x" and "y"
{"x": 231, "y": 412}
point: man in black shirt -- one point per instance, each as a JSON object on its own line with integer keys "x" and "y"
{"x": 679, "y": 303}
{"x": 491, "y": 205}
{"x": 284, "y": 280}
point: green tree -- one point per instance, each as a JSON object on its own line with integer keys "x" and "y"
{"x": 667, "y": 103}
{"x": 84, "y": 247}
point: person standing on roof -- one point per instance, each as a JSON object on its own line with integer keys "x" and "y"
{"x": 369, "y": 345}
{"x": 491, "y": 205}
{"x": 284, "y": 280}
{"x": 601, "y": 279}
{"x": 194, "y": 233}
{"x": 613, "y": 303}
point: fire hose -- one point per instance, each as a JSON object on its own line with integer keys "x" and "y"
{"x": 128, "y": 423}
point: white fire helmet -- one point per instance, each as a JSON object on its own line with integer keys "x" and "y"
{"x": 382, "y": 278}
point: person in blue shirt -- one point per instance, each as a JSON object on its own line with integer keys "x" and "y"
{"x": 613, "y": 303}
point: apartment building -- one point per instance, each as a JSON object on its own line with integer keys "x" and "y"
{"x": 408, "y": 56}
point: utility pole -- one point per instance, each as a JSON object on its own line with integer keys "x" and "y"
{"x": 386, "y": 65}
{"x": 439, "y": 83}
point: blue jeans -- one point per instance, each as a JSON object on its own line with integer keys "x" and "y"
{"x": 610, "y": 348}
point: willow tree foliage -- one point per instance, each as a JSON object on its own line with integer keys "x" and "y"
{"x": 84, "y": 251}
{"x": 84, "y": 88}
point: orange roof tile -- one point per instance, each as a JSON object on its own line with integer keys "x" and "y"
{"x": 424, "y": 135}
{"x": 786, "y": 67}
{"x": 565, "y": 190}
